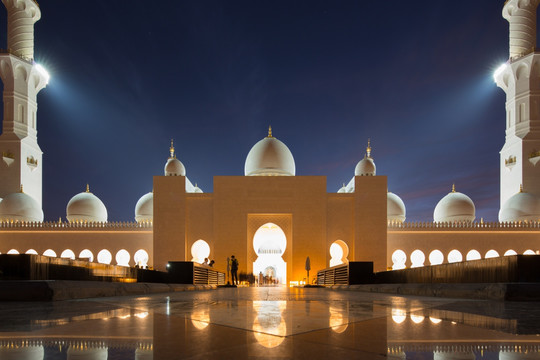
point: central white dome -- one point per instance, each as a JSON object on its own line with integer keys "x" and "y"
{"x": 86, "y": 207}
{"x": 270, "y": 157}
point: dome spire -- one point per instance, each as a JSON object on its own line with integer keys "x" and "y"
{"x": 368, "y": 149}
{"x": 171, "y": 150}
{"x": 87, "y": 188}
{"x": 453, "y": 188}
{"x": 270, "y": 131}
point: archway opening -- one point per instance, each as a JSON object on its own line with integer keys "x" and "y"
{"x": 86, "y": 255}
{"x": 491, "y": 254}
{"x": 141, "y": 258}
{"x": 68, "y": 254}
{"x": 200, "y": 250}
{"x": 269, "y": 243}
{"x": 338, "y": 253}
{"x": 104, "y": 257}
{"x": 473, "y": 255}
{"x": 417, "y": 258}
{"x": 436, "y": 257}
{"x": 398, "y": 259}
{"x": 13, "y": 252}
{"x": 454, "y": 256}
{"x": 122, "y": 258}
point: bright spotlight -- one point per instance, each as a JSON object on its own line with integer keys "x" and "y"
{"x": 499, "y": 71}
{"x": 43, "y": 72}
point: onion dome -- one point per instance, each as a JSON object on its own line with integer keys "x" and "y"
{"x": 454, "y": 207}
{"x": 20, "y": 207}
{"x": 144, "y": 210}
{"x": 174, "y": 167}
{"x": 395, "y": 208}
{"x": 519, "y": 207}
{"x": 270, "y": 157}
{"x": 342, "y": 189}
{"x": 86, "y": 207}
{"x": 366, "y": 166}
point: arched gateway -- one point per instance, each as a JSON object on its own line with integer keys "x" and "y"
{"x": 269, "y": 243}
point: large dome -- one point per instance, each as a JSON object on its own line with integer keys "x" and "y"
{"x": 144, "y": 210}
{"x": 520, "y": 207}
{"x": 174, "y": 167}
{"x": 395, "y": 208}
{"x": 366, "y": 166}
{"x": 86, "y": 207}
{"x": 20, "y": 207}
{"x": 455, "y": 207}
{"x": 270, "y": 157}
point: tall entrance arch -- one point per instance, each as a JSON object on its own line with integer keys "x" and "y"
{"x": 269, "y": 243}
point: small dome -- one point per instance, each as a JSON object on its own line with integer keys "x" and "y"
{"x": 20, "y": 207}
{"x": 197, "y": 190}
{"x": 86, "y": 207}
{"x": 455, "y": 207}
{"x": 270, "y": 157}
{"x": 395, "y": 208}
{"x": 144, "y": 210}
{"x": 174, "y": 167}
{"x": 520, "y": 207}
{"x": 366, "y": 166}
{"x": 342, "y": 189}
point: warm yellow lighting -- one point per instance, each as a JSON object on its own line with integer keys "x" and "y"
{"x": 399, "y": 315}
{"x": 142, "y": 315}
{"x": 434, "y": 320}
{"x": 417, "y": 319}
{"x": 293, "y": 283}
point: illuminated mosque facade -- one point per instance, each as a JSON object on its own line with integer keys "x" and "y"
{"x": 270, "y": 218}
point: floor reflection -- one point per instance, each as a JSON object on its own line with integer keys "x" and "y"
{"x": 270, "y": 322}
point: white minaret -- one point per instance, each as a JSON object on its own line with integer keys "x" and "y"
{"x": 520, "y": 80}
{"x": 23, "y": 79}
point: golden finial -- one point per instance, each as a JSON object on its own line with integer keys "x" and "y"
{"x": 270, "y": 131}
{"x": 368, "y": 149}
{"x": 520, "y": 188}
{"x": 171, "y": 150}
{"x": 60, "y": 220}
{"x": 21, "y": 188}
{"x": 87, "y": 188}
{"x": 453, "y": 188}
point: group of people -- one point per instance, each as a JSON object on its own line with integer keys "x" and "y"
{"x": 211, "y": 263}
{"x": 233, "y": 266}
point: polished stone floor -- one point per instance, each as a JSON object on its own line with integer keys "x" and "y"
{"x": 269, "y": 322}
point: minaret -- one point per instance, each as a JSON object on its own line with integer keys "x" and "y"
{"x": 519, "y": 77}
{"x": 21, "y": 155}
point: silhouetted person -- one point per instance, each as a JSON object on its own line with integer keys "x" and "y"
{"x": 234, "y": 270}
{"x": 211, "y": 263}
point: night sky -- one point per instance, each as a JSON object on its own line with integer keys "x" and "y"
{"x": 127, "y": 76}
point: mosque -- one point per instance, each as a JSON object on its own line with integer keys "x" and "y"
{"x": 270, "y": 218}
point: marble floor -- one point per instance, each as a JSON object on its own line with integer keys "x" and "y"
{"x": 269, "y": 323}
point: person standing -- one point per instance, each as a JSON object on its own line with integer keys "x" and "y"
{"x": 234, "y": 270}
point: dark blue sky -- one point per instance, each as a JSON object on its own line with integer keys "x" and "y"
{"x": 414, "y": 76}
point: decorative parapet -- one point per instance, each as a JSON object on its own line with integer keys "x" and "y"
{"x": 463, "y": 226}
{"x": 75, "y": 226}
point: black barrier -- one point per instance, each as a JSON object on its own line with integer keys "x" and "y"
{"x": 188, "y": 272}
{"x": 352, "y": 273}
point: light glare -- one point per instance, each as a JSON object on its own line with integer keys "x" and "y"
{"x": 499, "y": 71}
{"x": 43, "y": 72}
